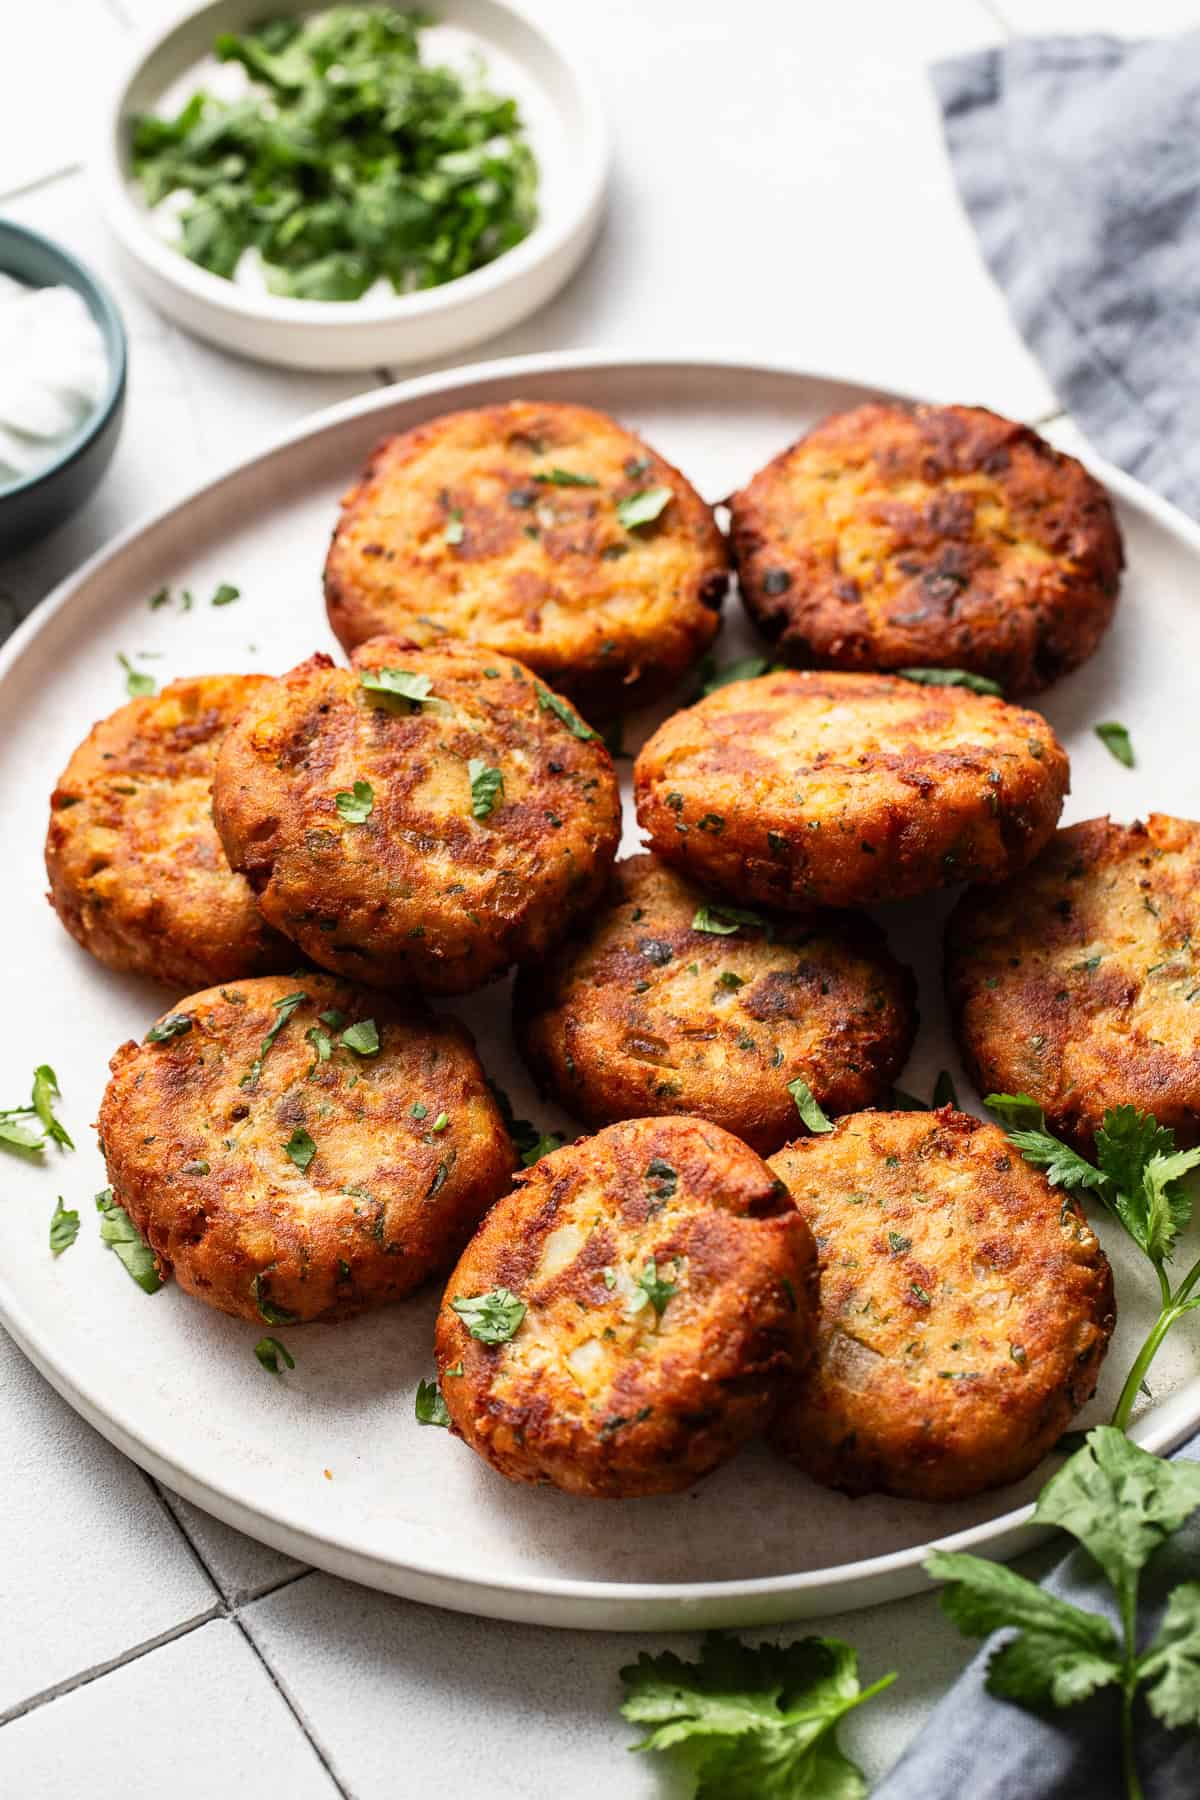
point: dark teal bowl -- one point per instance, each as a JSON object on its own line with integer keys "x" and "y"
{"x": 35, "y": 505}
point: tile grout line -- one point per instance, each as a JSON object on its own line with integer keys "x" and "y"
{"x": 38, "y": 182}
{"x": 278, "y": 1684}
{"x": 87, "y": 1676}
{"x": 229, "y": 1610}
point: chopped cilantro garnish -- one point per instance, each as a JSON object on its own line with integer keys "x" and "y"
{"x": 550, "y": 702}
{"x": 362, "y": 1037}
{"x": 397, "y": 684}
{"x": 487, "y": 787}
{"x": 1116, "y": 741}
{"x": 269, "y": 1350}
{"x": 431, "y": 1408}
{"x": 354, "y": 806}
{"x": 171, "y": 1025}
{"x": 137, "y": 684}
{"x": 644, "y": 507}
{"x": 300, "y": 1148}
{"x": 565, "y": 478}
{"x": 493, "y": 1318}
{"x": 64, "y": 1228}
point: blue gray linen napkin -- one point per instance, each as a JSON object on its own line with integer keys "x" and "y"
{"x": 1078, "y": 160}
{"x": 1079, "y": 163}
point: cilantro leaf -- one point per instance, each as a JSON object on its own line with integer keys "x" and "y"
{"x": 530, "y": 1143}
{"x": 551, "y": 702}
{"x": 397, "y": 684}
{"x": 137, "y": 685}
{"x": 45, "y": 1091}
{"x": 362, "y": 1037}
{"x": 431, "y": 1409}
{"x": 1063, "y": 1653}
{"x": 760, "y": 1722}
{"x": 723, "y": 920}
{"x": 226, "y": 594}
{"x": 661, "y": 1179}
{"x": 1064, "y": 1167}
{"x": 322, "y": 1047}
{"x": 978, "y": 684}
{"x": 269, "y": 1350}
{"x": 300, "y": 1148}
{"x": 355, "y": 806}
{"x": 119, "y": 1232}
{"x": 284, "y": 1008}
{"x": 20, "y": 1137}
{"x": 493, "y": 1318}
{"x": 267, "y": 1309}
{"x": 1119, "y": 1501}
{"x": 1116, "y": 741}
{"x": 944, "y": 1091}
{"x": 64, "y": 1228}
{"x": 171, "y": 1025}
{"x": 565, "y": 478}
{"x": 1171, "y": 1665}
{"x": 487, "y": 787}
{"x": 1125, "y": 1143}
{"x": 643, "y": 507}
{"x": 654, "y": 1289}
{"x": 807, "y": 1106}
{"x": 746, "y": 668}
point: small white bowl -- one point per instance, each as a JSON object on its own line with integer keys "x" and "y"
{"x": 566, "y": 132}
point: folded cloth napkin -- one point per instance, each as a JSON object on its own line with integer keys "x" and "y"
{"x": 973, "y": 1747}
{"x": 1078, "y": 160}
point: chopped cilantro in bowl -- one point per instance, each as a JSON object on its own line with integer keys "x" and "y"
{"x": 349, "y": 162}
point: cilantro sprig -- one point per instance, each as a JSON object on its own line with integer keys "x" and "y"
{"x": 760, "y": 1721}
{"x": 1137, "y": 1174}
{"x": 1121, "y": 1504}
{"x": 17, "y": 1128}
{"x": 808, "y": 1106}
{"x": 351, "y": 160}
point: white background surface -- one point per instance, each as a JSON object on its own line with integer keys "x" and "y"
{"x": 780, "y": 190}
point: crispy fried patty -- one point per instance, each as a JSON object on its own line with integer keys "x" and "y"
{"x": 811, "y": 789}
{"x": 966, "y": 1306}
{"x": 666, "y": 1002}
{"x": 656, "y": 1289}
{"x": 137, "y": 872}
{"x": 477, "y": 819}
{"x": 280, "y": 1174}
{"x": 1079, "y": 981}
{"x": 503, "y": 527}
{"x": 944, "y": 536}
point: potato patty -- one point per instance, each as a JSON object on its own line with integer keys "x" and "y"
{"x": 521, "y": 527}
{"x": 944, "y": 536}
{"x": 1078, "y": 982}
{"x": 966, "y": 1306}
{"x": 809, "y": 789}
{"x": 301, "y": 1148}
{"x": 668, "y": 1003}
{"x": 137, "y": 872}
{"x": 628, "y": 1315}
{"x": 426, "y": 817}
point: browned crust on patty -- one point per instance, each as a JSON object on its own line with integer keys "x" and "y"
{"x": 803, "y": 789}
{"x": 641, "y": 1013}
{"x": 137, "y": 873}
{"x": 421, "y": 892}
{"x": 939, "y": 536}
{"x": 1077, "y": 982}
{"x": 599, "y": 1393}
{"x": 195, "y": 1148}
{"x": 449, "y": 534}
{"x": 965, "y": 1308}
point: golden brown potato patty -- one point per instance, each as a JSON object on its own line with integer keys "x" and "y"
{"x": 426, "y": 817}
{"x": 1079, "y": 981}
{"x": 966, "y": 1306}
{"x": 137, "y": 872}
{"x": 803, "y": 789}
{"x": 515, "y": 527}
{"x": 667, "y": 1002}
{"x": 944, "y": 536}
{"x": 626, "y": 1317}
{"x": 282, "y": 1175}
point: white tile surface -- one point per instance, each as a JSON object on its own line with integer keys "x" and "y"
{"x": 1149, "y": 18}
{"x": 198, "y": 1719}
{"x": 240, "y": 1567}
{"x": 464, "y": 1704}
{"x": 92, "y": 1565}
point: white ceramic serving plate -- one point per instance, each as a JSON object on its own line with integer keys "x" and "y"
{"x": 566, "y": 131}
{"x": 329, "y": 1463}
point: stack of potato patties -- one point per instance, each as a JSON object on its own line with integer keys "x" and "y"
{"x": 898, "y": 1298}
